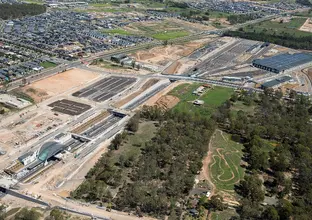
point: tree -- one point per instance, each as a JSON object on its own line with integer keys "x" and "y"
{"x": 234, "y": 97}
{"x": 270, "y": 213}
{"x": 57, "y": 214}
{"x": 2, "y": 212}
{"x": 285, "y": 209}
{"x": 215, "y": 203}
{"x": 133, "y": 124}
{"x": 251, "y": 188}
{"x": 26, "y": 214}
{"x": 133, "y": 64}
{"x": 117, "y": 141}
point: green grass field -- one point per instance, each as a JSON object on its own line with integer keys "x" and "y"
{"x": 47, "y": 64}
{"x": 212, "y": 98}
{"x": 116, "y": 31}
{"x": 239, "y": 105}
{"x": 223, "y": 215}
{"x": 168, "y": 35}
{"x": 225, "y": 169}
{"x": 278, "y": 28}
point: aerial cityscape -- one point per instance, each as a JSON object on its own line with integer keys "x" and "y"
{"x": 155, "y": 109}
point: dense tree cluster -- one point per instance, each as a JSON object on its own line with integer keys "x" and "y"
{"x": 13, "y": 11}
{"x": 165, "y": 172}
{"x": 240, "y": 18}
{"x": 26, "y": 214}
{"x": 288, "y": 165}
{"x": 284, "y": 39}
{"x": 162, "y": 175}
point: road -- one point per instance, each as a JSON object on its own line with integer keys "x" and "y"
{"x": 93, "y": 210}
{"x": 108, "y": 54}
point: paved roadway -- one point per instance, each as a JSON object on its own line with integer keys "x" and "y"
{"x": 89, "y": 113}
{"x": 107, "y": 54}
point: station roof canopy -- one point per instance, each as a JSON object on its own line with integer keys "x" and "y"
{"x": 50, "y": 149}
{"x": 284, "y": 61}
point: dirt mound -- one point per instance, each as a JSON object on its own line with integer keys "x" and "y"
{"x": 173, "y": 68}
{"x": 167, "y": 101}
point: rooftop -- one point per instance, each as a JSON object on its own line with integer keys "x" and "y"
{"x": 284, "y": 61}
{"x": 49, "y": 149}
{"x": 276, "y": 82}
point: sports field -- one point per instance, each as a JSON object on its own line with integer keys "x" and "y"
{"x": 224, "y": 166}
{"x": 212, "y": 98}
{"x": 47, "y": 64}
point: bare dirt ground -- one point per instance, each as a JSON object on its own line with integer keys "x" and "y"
{"x": 204, "y": 173}
{"x": 27, "y": 128}
{"x": 307, "y": 26}
{"x": 165, "y": 54}
{"x": 62, "y": 82}
{"x": 127, "y": 99}
{"x": 167, "y": 101}
{"x": 181, "y": 66}
{"x": 155, "y": 98}
{"x": 123, "y": 70}
{"x": 79, "y": 177}
{"x": 283, "y": 19}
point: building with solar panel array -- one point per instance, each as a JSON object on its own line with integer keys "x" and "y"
{"x": 282, "y": 62}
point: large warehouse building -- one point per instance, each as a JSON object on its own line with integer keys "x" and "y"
{"x": 282, "y": 62}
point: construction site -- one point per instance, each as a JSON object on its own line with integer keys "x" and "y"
{"x": 49, "y": 145}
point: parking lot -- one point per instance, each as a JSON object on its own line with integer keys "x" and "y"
{"x": 105, "y": 88}
{"x": 69, "y": 107}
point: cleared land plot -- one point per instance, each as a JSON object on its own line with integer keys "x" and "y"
{"x": 213, "y": 98}
{"x": 278, "y": 28}
{"x": 225, "y": 169}
{"x": 162, "y": 55}
{"x": 167, "y": 101}
{"x": 69, "y": 107}
{"x": 307, "y": 26}
{"x": 105, "y": 88}
{"x": 63, "y": 82}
